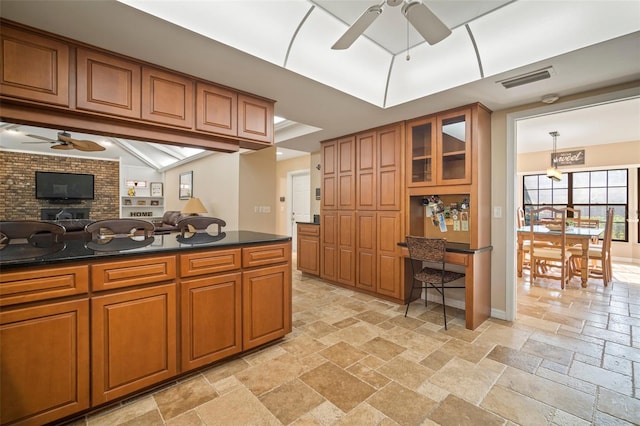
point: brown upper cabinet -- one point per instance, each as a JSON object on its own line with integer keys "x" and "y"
{"x": 329, "y": 176}
{"x": 346, "y": 173}
{"x": 379, "y": 168}
{"x": 255, "y": 119}
{"x": 34, "y": 67}
{"x": 117, "y": 95}
{"x": 439, "y": 149}
{"x": 167, "y": 98}
{"x": 216, "y": 109}
{"x": 107, "y": 84}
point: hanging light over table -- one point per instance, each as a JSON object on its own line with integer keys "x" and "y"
{"x": 553, "y": 172}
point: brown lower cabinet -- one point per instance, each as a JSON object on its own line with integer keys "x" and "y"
{"x": 211, "y": 319}
{"x": 82, "y": 335}
{"x": 308, "y": 249}
{"x": 133, "y": 341}
{"x": 266, "y": 303}
{"x": 44, "y": 362}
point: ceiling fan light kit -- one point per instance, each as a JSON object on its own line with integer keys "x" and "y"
{"x": 430, "y": 27}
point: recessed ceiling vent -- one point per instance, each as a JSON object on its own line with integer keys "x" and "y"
{"x": 527, "y": 78}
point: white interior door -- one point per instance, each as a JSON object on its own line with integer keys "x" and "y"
{"x": 300, "y": 203}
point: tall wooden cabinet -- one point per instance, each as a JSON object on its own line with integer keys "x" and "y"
{"x": 449, "y": 156}
{"x": 337, "y": 260}
{"x": 367, "y": 169}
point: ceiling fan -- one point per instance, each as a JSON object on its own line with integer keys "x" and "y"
{"x": 66, "y": 142}
{"x": 430, "y": 27}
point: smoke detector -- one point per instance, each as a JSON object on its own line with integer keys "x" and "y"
{"x": 549, "y": 99}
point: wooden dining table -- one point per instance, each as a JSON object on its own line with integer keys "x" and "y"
{"x": 573, "y": 236}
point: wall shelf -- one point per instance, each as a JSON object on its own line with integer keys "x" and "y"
{"x": 138, "y": 207}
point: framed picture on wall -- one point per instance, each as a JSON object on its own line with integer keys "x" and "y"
{"x": 156, "y": 189}
{"x": 186, "y": 185}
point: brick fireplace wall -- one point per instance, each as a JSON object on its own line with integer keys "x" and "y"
{"x": 17, "y": 185}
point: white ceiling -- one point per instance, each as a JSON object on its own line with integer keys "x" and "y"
{"x": 281, "y": 53}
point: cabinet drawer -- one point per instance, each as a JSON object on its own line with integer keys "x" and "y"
{"x": 456, "y": 258}
{"x": 127, "y": 273}
{"x": 42, "y": 283}
{"x": 265, "y": 255}
{"x": 309, "y": 230}
{"x": 209, "y": 262}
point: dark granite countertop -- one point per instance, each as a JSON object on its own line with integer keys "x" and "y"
{"x": 25, "y": 255}
{"x": 308, "y": 223}
{"x": 457, "y": 248}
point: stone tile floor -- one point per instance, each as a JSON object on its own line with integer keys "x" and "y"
{"x": 571, "y": 358}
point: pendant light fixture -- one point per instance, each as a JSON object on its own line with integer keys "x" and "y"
{"x": 553, "y": 172}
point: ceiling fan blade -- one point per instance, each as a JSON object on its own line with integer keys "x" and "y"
{"x": 430, "y": 27}
{"x": 88, "y": 146}
{"x": 62, "y": 146}
{"x": 82, "y": 145}
{"x": 41, "y": 138}
{"x": 357, "y": 28}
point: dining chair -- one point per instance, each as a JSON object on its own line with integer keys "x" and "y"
{"x": 587, "y": 222}
{"x": 572, "y": 216}
{"x": 526, "y": 244}
{"x": 600, "y": 254}
{"x": 434, "y": 275}
{"x": 554, "y": 256}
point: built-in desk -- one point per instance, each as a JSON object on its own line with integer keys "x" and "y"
{"x": 477, "y": 267}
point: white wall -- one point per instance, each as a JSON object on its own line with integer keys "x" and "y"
{"x": 215, "y": 182}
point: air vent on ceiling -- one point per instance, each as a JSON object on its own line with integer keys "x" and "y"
{"x": 527, "y": 78}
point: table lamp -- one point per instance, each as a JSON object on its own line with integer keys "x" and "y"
{"x": 193, "y": 206}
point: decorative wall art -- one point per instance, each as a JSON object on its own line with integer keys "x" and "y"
{"x": 156, "y": 189}
{"x": 186, "y": 185}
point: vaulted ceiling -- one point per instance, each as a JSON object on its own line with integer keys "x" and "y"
{"x": 281, "y": 49}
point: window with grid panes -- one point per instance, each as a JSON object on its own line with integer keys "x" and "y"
{"x": 590, "y": 192}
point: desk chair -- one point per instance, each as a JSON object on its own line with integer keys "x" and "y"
{"x": 422, "y": 249}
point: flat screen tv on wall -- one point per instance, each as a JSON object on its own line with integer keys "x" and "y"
{"x": 64, "y": 186}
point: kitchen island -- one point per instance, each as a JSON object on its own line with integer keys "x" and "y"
{"x": 83, "y": 325}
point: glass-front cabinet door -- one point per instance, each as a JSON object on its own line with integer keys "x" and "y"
{"x": 454, "y": 143}
{"x": 422, "y": 141}
{"x": 440, "y": 149}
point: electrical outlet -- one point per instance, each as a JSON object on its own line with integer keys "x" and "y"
{"x": 497, "y": 212}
